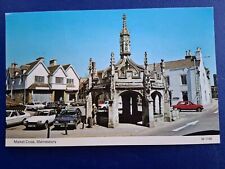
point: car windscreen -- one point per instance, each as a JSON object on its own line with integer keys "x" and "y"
{"x": 67, "y": 112}
{"x": 43, "y": 113}
{"x": 21, "y": 113}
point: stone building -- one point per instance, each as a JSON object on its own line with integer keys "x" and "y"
{"x": 136, "y": 93}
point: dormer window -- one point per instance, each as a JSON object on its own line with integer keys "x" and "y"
{"x": 39, "y": 79}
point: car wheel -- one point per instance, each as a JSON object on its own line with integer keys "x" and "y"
{"x": 46, "y": 125}
{"x": 199, "y": 110}
{"x": 22, "y": 122}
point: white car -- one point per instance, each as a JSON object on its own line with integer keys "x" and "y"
{"x": 34, "y": 106}
{"x": 14, "y": 117}
{"x": 44, "y": 118}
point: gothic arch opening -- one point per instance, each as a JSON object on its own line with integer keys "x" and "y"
{"x": 102, "y": 114}
{"x": 131, "y": 107}
{"x": 157, "y": 102}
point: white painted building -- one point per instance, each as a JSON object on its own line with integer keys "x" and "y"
{"x": 72, "y": 83}
{"x": 37, "y": 82}
{"x": 188, "y": 79}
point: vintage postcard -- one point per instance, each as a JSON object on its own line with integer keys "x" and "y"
{"x": 111, "y": 77}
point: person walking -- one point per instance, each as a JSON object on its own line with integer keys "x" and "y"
{"x": 94, "y": 114}
{"x": 83, "y": 117}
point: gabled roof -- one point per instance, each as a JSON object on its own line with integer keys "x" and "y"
{"x": 55, "y": 68}
{"x": 66, "y": 67}
{"x": 34, "y": 64}
{"x": 31, "y": 65}
{"x": 28, "y": 67}
{"x": 52, "y": 69}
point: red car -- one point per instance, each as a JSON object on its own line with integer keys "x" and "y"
{"x": 187, "y": 105}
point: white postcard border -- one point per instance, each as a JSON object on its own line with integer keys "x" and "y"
{"x": 112, "y": 141}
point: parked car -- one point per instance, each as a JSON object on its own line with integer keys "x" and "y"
{"x": 34, "y": 106}
{"x": 188, "y": 105}
{"x": 14, "y": 117}
{"x": 44, "y": 118}
{"x": 104, "y": 105}
{"x": 61, "y": 104}
{"x": 51, "y": 105}
{"x": 71, "y": 117}
{"x": 77, "y": 103}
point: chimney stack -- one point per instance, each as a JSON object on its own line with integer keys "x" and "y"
{"x": 40, "y": 58}
{"x": 52, "y": 62}
{"x": 13, "y": 65}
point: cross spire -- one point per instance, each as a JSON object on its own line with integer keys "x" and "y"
{"x": 124, "y": 40}
{"x": 124, "y": 21}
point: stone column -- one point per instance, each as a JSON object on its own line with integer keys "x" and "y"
{"x": 89, "y": 105}
{"x": 151, "y": 114}
{"x": 145, "y": 118}
{"x": 166, "y": 108}
{"x": 113, "y": 115}
{"x": 53, "y": 96}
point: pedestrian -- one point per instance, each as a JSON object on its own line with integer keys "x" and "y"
{"x": 83, "y": 121}
{"x": 58, "y": 110}
{"x": 83, "y": 117}
{"x": 94, "y": 114}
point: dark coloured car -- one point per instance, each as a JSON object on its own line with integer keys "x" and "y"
{"x": 51, "y": 105}
{"x": 71, "y": 118}
{"x": 61, "y": 104}
{"x": 188, "y": 105}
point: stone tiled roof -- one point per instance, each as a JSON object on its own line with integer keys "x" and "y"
{"x": 130, "y": 61}
{"x": 31, "y": 65}
{"x": 66, "y": 66}
{"x": 52, "y": 69}
{"x": 177, "y": 64}
{"x": 28, "y": 67}
{"x": 184, "y": 63}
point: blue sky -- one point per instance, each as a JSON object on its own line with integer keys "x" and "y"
{"x": 75, "y": 36}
